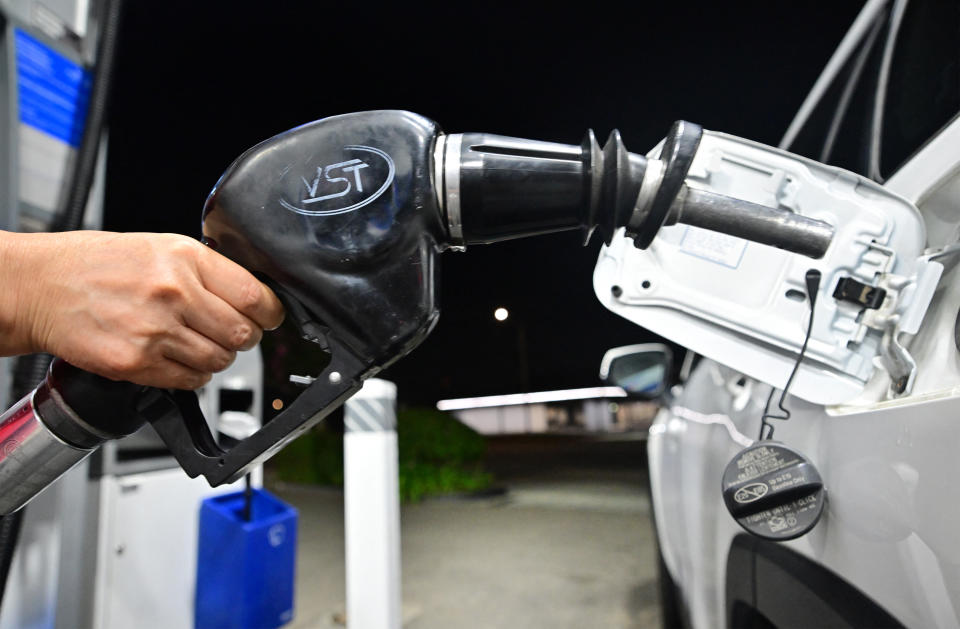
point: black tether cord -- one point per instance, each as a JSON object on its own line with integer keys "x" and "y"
{"x": 766, "y": 428}
{"x": 30, "y": 370}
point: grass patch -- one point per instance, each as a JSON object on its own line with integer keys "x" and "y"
{"x": 437, "y": 455}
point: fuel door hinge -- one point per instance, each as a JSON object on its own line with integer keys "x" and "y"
{"x": 891, "y": 304}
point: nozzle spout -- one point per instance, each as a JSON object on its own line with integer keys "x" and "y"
{"x": 497, "y": 188}
{"x": 769, "y": 226}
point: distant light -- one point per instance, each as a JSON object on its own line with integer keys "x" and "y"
{"x": 540, "y": 397}
{"x": 501, "y": 314}
{"x": 277, "y": 404}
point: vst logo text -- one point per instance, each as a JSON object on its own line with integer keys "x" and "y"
{"x": 341, "y": 186}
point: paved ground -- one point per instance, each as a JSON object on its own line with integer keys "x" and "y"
{"x": 569, "y": 545}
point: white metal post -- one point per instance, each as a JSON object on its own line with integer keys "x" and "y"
{"x": 372, "y": 507}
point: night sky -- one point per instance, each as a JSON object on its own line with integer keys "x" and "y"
{"x": 199, "y": 82}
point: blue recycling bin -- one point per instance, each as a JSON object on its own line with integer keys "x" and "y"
{"x": 245, "y": 569}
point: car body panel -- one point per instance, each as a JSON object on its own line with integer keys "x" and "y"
{"x": 893, "y": 510}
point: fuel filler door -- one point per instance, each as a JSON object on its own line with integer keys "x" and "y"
{"x": 744, "y": 304}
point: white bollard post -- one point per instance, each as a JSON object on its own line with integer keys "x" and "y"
{"x": 372, "y": 507}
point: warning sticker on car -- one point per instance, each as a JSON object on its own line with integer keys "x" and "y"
{"x": 713, "y": 246}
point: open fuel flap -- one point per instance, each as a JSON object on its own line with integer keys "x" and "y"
{"x": 744, "y": 304}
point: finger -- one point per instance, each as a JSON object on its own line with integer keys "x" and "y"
{"x": 193, "y": 350}
{"x": 216, "y": 320}
{"x": 117, "y": 358}
{"x": 170, "y": 374}
{"x": 236, "y": 286}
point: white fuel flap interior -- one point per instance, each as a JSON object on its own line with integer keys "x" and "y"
{"x": 744, "y": 304}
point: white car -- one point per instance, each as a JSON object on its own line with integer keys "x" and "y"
{"x": 875, "y": 404}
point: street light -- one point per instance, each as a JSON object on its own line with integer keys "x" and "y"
{"x": 501, "y": 314}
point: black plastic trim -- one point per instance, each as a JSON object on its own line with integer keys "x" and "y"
{"x": 789, "y": 590}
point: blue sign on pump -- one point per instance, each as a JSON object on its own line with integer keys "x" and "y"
{"x": 54, "y": 92}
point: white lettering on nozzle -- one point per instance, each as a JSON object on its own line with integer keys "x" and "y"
{"x": 348, "y": 180}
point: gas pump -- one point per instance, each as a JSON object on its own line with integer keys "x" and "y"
{"x": 86, "y": 551}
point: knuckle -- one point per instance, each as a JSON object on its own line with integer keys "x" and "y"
{"x": 222, "y": 359}
{"x": 250, "y": 295}
{"x": 124, "y": 361}
{"x": 183, "y": 247}
{"x": 195, "y": 380}
{"x": 242, "y": 336}
{"x": 166, "y": 290}
{"x": 153, "y": 332}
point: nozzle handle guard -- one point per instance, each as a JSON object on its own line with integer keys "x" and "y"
{"x": 177, "y": 418}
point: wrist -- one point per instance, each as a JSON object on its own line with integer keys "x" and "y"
{"x": 20, "y": 267}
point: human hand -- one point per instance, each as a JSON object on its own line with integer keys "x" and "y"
{"x": 155, "y": 309}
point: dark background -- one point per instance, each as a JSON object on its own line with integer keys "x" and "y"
{"x": 199, "y": 82}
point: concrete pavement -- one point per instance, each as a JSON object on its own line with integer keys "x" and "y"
{"x": 570, "y": 545}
